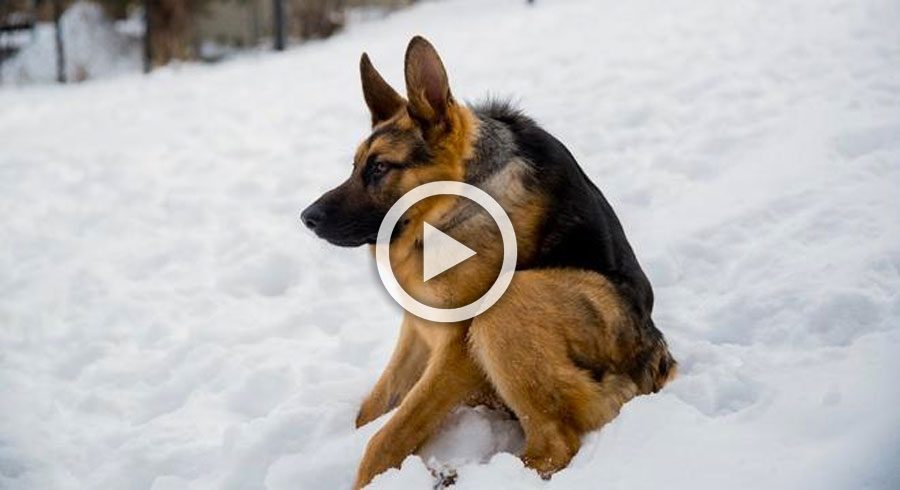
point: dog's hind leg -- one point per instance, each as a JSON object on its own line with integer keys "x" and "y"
{"x": 403, "y": 370}
{"x": 525, "y": 344}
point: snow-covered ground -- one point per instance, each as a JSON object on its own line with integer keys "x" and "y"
{"x": 165, "y": 323}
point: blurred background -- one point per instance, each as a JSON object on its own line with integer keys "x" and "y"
{"x": 166, "y": 323}
{"x": 76, "y": 40}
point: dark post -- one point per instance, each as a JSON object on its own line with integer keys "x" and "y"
{"x": 278, "y": 17}
{"x": 60, "y": 52}
{"x": 148, "y": 46}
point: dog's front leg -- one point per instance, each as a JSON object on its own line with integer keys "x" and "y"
{"x": 450, "y": 377}
{"x": 403, "y": 370}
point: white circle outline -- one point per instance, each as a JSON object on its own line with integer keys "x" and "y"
{"x": 507, "y": 267}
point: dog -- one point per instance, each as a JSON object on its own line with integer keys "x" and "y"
{"x": 572, "y": 338}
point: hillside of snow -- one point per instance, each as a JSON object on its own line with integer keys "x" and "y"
{"x": 165, "y": 323}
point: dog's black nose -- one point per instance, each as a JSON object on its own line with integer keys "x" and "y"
{"x": 312, "y": 216}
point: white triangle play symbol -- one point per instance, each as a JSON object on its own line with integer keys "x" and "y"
{"x": 441, "y": 252}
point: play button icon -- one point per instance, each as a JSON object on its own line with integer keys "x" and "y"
{"x": 441, "y": 252}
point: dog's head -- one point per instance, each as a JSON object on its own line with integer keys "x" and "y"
{"x": 423, "y": 138}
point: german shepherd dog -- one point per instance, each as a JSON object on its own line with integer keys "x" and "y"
{"x": 569, "y": 342}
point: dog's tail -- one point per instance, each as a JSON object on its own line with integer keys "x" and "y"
{"x": 666, "y": 367}
{"x": 655, "y": 366}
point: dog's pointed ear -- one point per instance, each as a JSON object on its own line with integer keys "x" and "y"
{"x": 383, "y": 101}
{"x": 427, "y": 86}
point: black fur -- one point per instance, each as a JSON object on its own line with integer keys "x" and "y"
{"x": 581, "y": 229}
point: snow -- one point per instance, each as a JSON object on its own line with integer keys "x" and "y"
{"x": 167, "y": 324}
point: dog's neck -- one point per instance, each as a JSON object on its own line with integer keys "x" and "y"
{"x": 493, "y": 166}
{"x": 489, "y": 162}
{"x": 492, "y": 149}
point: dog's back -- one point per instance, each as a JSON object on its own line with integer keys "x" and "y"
{"x": 578, "y": 229}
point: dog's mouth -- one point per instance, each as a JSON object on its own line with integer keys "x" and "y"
{"x": 346, "y": 229}
{"x": 370, "y": 239}
{"x": 350, "y": 242}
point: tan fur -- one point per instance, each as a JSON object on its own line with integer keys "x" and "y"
{"x": 526, "y": 344}
{"x": 450, "y": 377}
{"x": 525, "y": 349}
{"x": 560, "y": 349}
{"x": 401, "y": 374}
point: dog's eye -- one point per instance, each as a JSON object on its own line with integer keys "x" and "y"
{"x": 375, "y": 171}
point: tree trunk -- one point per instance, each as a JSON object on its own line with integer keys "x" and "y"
{"x": 170, "y": 31}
